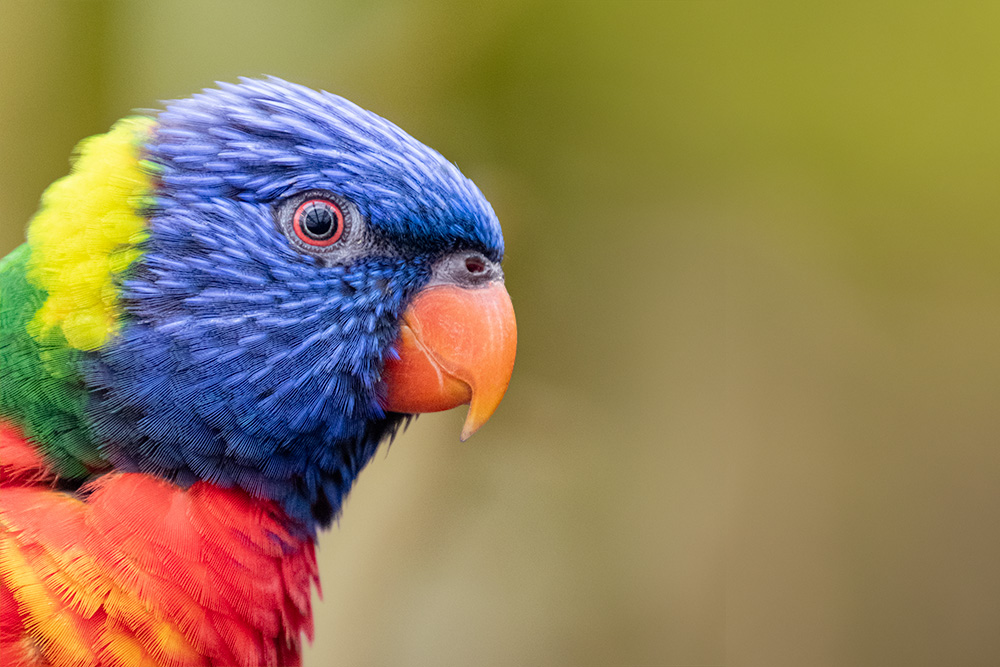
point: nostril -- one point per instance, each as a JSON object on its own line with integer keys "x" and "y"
{"x": 467, "y": 268}
{"x": 475, "y": 265}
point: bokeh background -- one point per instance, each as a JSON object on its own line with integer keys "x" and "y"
{"x": 753, "y": 249}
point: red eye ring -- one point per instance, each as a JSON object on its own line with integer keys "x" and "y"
{"x": 318, "y": 222}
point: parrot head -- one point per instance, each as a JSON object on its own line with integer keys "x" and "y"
{"x": 305, "y": 275}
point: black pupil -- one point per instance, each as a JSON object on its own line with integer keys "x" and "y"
{"x": 319, "y": 220}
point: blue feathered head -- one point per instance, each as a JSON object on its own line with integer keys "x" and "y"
{"x": 291, "y": 236}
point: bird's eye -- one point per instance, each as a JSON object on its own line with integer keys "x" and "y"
{"x": 322, "y": 224}
{"x": 318, "y": 222}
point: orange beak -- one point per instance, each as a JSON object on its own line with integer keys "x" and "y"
{"x": 456, "y": 345}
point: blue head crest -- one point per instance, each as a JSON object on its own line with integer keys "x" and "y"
{"x": 261, "y": 140}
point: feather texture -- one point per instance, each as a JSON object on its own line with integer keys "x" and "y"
{"x": 146, "y": 572}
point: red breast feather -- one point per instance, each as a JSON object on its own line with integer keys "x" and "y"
{"x": 145, "y": 572}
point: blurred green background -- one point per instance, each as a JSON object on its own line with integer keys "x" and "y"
{"x": 753, "y": 250}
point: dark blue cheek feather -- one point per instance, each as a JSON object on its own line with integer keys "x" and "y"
{"x": 242, "y": 361}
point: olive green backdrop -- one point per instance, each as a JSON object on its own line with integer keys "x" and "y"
{"x": 753, "y": 250}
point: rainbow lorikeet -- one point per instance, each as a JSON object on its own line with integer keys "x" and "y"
{"x": 216, "y": 319}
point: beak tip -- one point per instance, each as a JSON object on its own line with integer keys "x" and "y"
{"x": 480, "y": 411}
{"x": 469, "y": 429}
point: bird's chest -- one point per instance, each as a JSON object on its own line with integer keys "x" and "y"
{"x": 145, "y": 572}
